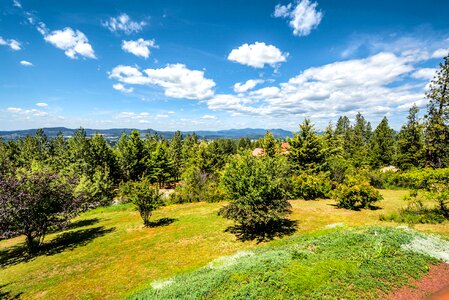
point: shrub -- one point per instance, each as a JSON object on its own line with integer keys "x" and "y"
{"x": 34, "y": 203}
{"x": 124, "y": 190}
{"x": 416, "y": 211}
{"x": 309, "y": 187}
{"x": 96, "y": 190}
{"x": 146, "y": 198}
{"x": 255, "y": 188}
{"x": 355, "y": 193}
{"x": 197, "y": 185}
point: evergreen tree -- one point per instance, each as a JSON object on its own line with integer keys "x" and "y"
{"x": 437, "y": 126}
{"x": 269, "y": 144}
{"x": 175, "y": 154}
{"x": 131, "y": 155}
{"x": 359, "y": 141}
{"x": 306, "y": 150}
{"x": 382, "y": 145}
{"x": 160, "y": 164}
{"x": 410, "y": 144}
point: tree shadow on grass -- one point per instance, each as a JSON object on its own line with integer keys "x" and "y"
{"x": 161, "y": 222}
{"x": 76, "y": 224}
{"x": 7, "y": 295}
{"x": 64, "y": 241}
{"x": 274, "y": 229}
{"x": 357, "y": 208}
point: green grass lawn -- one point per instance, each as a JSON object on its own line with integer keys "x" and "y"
{"x": 108, "y": 254}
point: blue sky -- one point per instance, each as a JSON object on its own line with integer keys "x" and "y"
{"x": 209, "y": 65}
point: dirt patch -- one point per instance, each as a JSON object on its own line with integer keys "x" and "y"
{"x": 433, "y": 286}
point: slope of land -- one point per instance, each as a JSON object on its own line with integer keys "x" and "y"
{"x": 108, "y": 254}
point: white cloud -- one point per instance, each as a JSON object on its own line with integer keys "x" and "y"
{"x": 120, "y": 87}
{"x": 171, "y": 112}
{"x": 257, "y": 55}
{"x": 72, "y": 42}
{"x": 27, "y": 112}
{"x": 303, "y": 16}
{"x": 176, "y": 79}
{"x": 132, "y": 117}
{"x": 325, "y": 92}
{"x": 11, "y": 43}
{"x": 26, "y": 63}
{"x": 17, "y": 3}
{"x": 161, "y": 116}
{"x": 123, "y": 23}
{"x": 208, "y": 117}
{"x": 425, "y": 73}
{"x": 140, "y": 47}
{"x": 440, "y": 53}
{"x": 41, "y": 104}
{"x": 248, "y": 85}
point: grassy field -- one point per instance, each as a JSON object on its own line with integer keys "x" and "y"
{"x": 107, "y": 253}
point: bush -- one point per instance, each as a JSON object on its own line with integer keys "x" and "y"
{"x": 355, "y": 193}
{"x": 124, "y": 190}
{"x": 310, "y": 187}
{"x": 33, "y": 204}
{"x": 146, "y": 198}
{"x": 255, "y": 188}
{"x": 416, "y": 212}
{"x": 98, "y": 189}
{"x": 415, "y": 179}
{"x": 197, "y": 185}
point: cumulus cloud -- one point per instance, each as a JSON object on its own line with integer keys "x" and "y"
{"x": 41, "y": 104}
{"x": 440, "y": 53}
{"x": 161, "y": 116}
{"x": 123, "y": 23}
{"x": 27, "y": 112}
{"x": 303, "y": 16}
{"x": 257, "y": 55}
{"x": 176, "y": 79}
{"x": 425, "y": 73}
{"x": 11, "y": 43}
{"x": 248, "y": 85}
{"x": 26, "y": 63}
{"x": 120, "y": 87}
{"x": 126, "y": 116}
{"x": 140, "y": 47}
{"x": 73, "y": 42}
{"x": 371, "y": 85}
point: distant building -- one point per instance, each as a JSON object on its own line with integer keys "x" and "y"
{"x": 285, "y": 146}
{"x": 258, "y": 152}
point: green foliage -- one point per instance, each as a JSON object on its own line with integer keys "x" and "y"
{"x": 437, "y": 125}
{"x": 410, "y": 143}
{"x": 269, "y": 144}
{"x": 309, "y": 187}
{"x": 306, "y": 149}
{"x": 418, "y": 210}
{"x": 381, "y": 145}
{"x": 255, "y": 187}
{"x": 131, "y": 156}
{"x": 145, "y": 198}
{"x": 361, "y": 263}
{"x": 355, "y": 193}
{"x": 197, "y": 185}
{"x": 97, "y": 189}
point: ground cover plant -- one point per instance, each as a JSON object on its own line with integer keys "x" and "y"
{"x": 87, "y": 259}
{"x": 319, "y": 266}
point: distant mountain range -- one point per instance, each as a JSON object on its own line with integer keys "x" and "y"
{"x": 114, "y": 133}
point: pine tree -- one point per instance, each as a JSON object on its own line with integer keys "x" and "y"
{"x": 175, "y": 154}
{"x": 269, "y": 144}
{"x": 131, "y": 155}
{"x": 306, "y": 149}
{"x": 410, "y": 144}
{"x": 358, "y": 141}
{"x": 382, "y": 145}
{"x": 437, "y": 125}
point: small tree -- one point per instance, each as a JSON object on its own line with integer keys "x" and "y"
{"x": 146, "y": 198}
{"x": 255, "y": 188}
{"x": 32, "y": 204}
